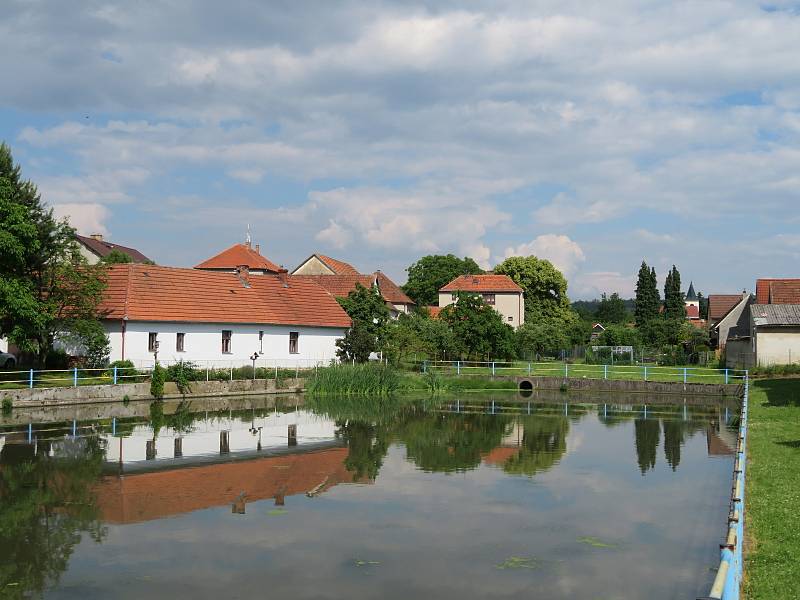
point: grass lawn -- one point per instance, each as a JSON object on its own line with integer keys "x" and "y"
{"x": 772, "y": 566}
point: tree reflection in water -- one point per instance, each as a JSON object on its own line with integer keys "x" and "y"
{"x": 46, "y": 505}
{"x": 544, "y": 442}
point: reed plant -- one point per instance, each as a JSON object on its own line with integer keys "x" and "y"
{"x": 355, "y": 379}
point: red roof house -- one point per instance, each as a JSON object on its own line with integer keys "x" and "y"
{"x": 778, "y": 291}
{"x": 240, "y": 255}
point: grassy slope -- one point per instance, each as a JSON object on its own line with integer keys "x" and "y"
{"x": 772, "y": 569}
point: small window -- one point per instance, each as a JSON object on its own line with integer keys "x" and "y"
{"x": 510, "y": 318}
{"x": 489, "y": 299}
{"x": 179, "y": 338}
{"x": 227, "y": 334}
{"x": 454, "y": 296}
{"x": 152, "y": 342}
{"x": 294, "y": 345}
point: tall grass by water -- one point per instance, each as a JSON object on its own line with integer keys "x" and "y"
{"x": 362, "y": 379}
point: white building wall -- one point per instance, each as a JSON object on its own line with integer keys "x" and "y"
{"x": 780, "y": 346}
{"x": 203, "y": 343}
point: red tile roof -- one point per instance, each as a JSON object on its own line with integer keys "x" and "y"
{"x": 151, "y": 293}
{"x": 337, "y": 266}
{"x": 499, "y": 456}
{"x": 482, "y": 283}
{"x": 103, "y": 248}
{"x": 341, "y": 285}
{"x": 390, "y": 291}
{"x": 720, "y": 305}
{"x": 147, "y": 496}
{"x": 692, "y": 311}
{"x": 236, "y": 256}
{"x": 778, "y": 291}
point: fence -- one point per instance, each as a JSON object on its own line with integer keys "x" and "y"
{"x": 727, "y": 584}
{"x": 213, "y": 370}
{"x": 564, "y": 369}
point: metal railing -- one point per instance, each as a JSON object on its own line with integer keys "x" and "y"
{"x": 727, "y": 584}
{"x": 587, "y": 371}
{"x": 214, "y": 370}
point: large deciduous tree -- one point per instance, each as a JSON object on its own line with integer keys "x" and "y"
{"x": 647, "y": 297}
{"x": 46, "y": 288}
{"x": 545, "y": 288}
{"x": 370, "y": 317}
{"x": 479, "y": 329}
{"x": 430, "y": 273}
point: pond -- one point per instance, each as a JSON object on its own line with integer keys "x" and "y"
{"x": 474, "y": 496}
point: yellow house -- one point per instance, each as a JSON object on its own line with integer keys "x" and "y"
{"x": 498, "y": 291}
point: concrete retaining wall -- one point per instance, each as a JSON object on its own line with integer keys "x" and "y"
{"x": 90, "y": 394}
{"x": 633, "y": 386}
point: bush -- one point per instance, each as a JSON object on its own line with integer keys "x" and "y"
{"x": 182, "y": 373}
{"x": 157, "y": 380}
{"x": 125, "y": 369}
{"x": 57, "y": 359}
{"x": 8, "y": 405}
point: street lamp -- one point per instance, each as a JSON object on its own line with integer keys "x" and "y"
{"x": 254, "y": 358}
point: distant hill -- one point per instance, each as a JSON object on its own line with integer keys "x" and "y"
{"x": 588, "y": 308}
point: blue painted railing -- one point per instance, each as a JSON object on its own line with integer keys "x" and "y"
{"x": 728, "y": 582}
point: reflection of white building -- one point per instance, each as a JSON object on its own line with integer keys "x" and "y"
{"x": 213, "y": 436}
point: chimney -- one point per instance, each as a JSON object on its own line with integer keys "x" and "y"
{"x": 243, "y": 271}
{"x": 97, "y": 236}
{"x": 283, "y": 277}
{"x": 258, "y": 248}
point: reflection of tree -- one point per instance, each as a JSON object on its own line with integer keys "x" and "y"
{"x": 647, "y": 433}
{"x": 447, "y": 443}
{"x": 367, "y": 445}
{"x": 544, "y": 442}
{"x": 674, "y": 437}
{"x": 45, "y": 506}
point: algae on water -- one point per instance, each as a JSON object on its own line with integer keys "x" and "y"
{"x": 518, "y": 562}
{"x": 595, "y": 542}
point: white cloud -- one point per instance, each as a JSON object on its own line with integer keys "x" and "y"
{"x": 565, "y": 254}
{"x": 593, "y": 284}
{"x": 86, "y": 218}
{"x": 334, "y": 235}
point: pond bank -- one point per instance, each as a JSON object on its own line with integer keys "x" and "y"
{"x": 93, "y": 394}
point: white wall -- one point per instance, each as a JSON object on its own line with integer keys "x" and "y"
{"x": 203, "y": 343}
{"x": 3, "y": 345}
{"x": 780, "y": 346}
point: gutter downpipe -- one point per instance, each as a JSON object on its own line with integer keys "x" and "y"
{"x": 124, "y": 327}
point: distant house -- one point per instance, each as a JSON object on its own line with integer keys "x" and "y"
{"x": 340, "y": 278}
{"x": 237, "y": 256}
{"x": 499, "y": 291}
{"x": 769, "y": 332}
{"x": 597, "y": 331}
{"x": 728, "y": 313}
{"x": 218, "y": 317}
{"x": 94, "y": 248}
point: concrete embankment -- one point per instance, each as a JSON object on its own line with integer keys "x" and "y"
{"x": 629, "y": 386}
{"x": 92, "y": 394}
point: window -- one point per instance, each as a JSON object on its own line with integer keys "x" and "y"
{"x": 454, "y": 296}
{"x": 179, "y": 338}
{"x": 152, "y": 342}
{"x": 489, "y": 299}
{"x": 510, "y": 318}
{"x": 227, "y": 334}
{"x": 294, "y": 346}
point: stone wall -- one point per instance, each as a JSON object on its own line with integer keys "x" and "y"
{"x": 632, "y": 386}
{"x": 89, "y": 394}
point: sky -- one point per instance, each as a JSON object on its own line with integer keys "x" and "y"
{"x": 592, "y": 134}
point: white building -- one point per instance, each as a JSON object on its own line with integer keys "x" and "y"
{"x": 498, "y": 291}
{"x": 218, "y": 318}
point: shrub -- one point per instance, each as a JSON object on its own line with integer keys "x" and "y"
{"x": 157, "y": 380}
{"x": 125, "y": 369}
{"x": 56, "y": 359}
{"x": 8, "y": 405}
{"x": 182, "y": 373}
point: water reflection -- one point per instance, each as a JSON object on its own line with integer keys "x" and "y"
{"x": 61, "y": 484}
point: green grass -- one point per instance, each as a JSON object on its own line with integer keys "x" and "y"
{"x": 772, "y": 565}
{"x": 360, "y": 379}
{"x": 694, "y": 374}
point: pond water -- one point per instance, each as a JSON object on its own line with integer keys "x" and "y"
{"x": 470, "y": 497}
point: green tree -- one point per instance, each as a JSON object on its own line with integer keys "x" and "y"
{"x": 370, "y": 317}
{"x": 647, "y": 298}
{"x": 619, "y": 335}
{"x": 46, "y": 288}
{"x": 674, "y": 436}
{"x": 612, "y": 309}
{"x": 545, "y": 288}
{"x": 117, "y": 257}
{"x": 430, "y": 273}
{"x": 674, "y": 305}
{"x": 703, "y": 306}
{"x": 541, "y": 339}
{"x": 544, "y": 442}
{"x": 478, "y": 328}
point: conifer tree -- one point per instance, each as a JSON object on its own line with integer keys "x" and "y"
{"x": 647, "y": 297}
{"x": 674, "y": 305}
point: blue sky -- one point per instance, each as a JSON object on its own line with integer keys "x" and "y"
{"x": 378, "y": 132}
